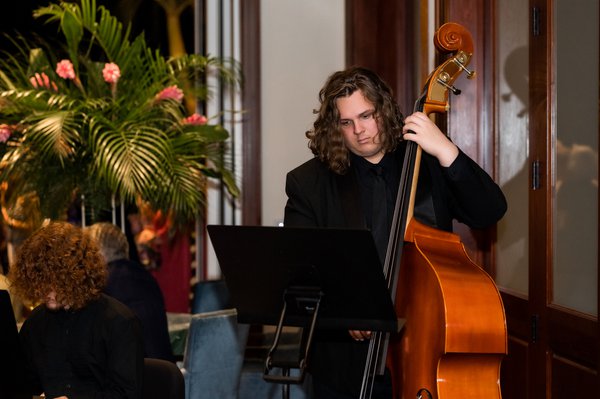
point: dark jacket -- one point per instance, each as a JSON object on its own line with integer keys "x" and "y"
{"x": 318, "y": 197}
{"x": 133, "y": 285}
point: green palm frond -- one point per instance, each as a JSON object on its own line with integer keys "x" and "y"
{"x": 88, "y": 137}
{"x": 53, "y": 134}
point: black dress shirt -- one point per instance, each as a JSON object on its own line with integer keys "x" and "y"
{"x": 366, "y": 174}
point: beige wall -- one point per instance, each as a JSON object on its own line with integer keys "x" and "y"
{"x": 302, "y": 42}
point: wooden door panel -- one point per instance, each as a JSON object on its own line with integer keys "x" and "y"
{"x": 517, "y": 316}
{"x": 513, "y": 375}
{"x": 572, "y": 380}
{"x": 573, "y": 336}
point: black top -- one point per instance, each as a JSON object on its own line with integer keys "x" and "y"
{"x": 94, "y": 352}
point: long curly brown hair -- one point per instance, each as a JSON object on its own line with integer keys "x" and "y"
{"x": 61, "y": 258}
{"x": 325, "y": 138}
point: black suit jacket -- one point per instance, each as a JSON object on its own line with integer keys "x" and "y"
{"x": 317, "y": 197}
{"x": 133, "y": 285}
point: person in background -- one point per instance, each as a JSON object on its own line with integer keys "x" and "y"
{"x": 11, "y": 362}
{"x": 358, "y": 139}
{"x": 21, "y": 216}
{"x": 165, "y": 251}
{"x": 130, "y": 283}
{"x": 77, "y": 341}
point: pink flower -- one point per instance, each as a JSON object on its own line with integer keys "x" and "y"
{"x": 195, "y": 119}
{"x": 41, "y": 80}
{"x": 111, "y": 72}
{"x": 65, "y": 70}
{"x": 5, "y": 133}
{"x": 170, "y": 93}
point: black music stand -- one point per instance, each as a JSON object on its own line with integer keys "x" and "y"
{"x": 303, "y": 277}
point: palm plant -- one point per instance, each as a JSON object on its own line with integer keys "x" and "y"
{"x": 101, "y": 116}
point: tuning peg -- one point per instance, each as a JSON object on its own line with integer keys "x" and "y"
{"x": 443, "y": 78}
{"x": 459, "y": 60}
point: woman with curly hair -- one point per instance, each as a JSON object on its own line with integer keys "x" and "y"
{"x": 359, "y": 139}
{"x": 78, "y": 342}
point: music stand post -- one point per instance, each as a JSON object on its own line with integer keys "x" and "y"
{"x": 312, "y": 278}
{"x": 306, "y": 300}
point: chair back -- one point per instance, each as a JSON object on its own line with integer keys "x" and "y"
{"x": 210, "y": 295}
{"x": 162, "y": 380}
{"x": 214, "y": 354}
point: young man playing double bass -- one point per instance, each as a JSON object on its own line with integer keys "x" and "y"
{"x": 358, "y": 138}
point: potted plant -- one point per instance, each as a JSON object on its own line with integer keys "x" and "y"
{"x": 100, "y": 116}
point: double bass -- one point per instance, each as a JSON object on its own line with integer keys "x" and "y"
{"x": 455, "y": 334}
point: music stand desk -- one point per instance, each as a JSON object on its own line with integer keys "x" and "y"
{"x": 321, "y": 278}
